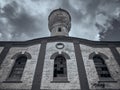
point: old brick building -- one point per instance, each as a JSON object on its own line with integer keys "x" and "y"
{"x": 59, "y": 61}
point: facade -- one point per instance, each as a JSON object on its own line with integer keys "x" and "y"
{"x": 59, "y": 62}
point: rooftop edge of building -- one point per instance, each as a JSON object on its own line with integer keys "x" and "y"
{"x": 60, "y": 39}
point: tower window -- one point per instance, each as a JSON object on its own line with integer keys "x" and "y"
{"x": 17, "y": 69}
{"x": 59, "y": 30}
{"x": 60, "y": 69}
{"x": 101, "y": 67}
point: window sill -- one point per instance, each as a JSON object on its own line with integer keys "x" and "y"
{"x": 12, "y": 81}
{"x": 59, "y": 81}
{"x": 108, "y": 80}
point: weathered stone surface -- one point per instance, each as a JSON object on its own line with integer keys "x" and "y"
{"x": 91, "y": 70}
{"x": 29, "y": 70}
{"x": 59, "y": 22}
{"x": 72, "y": 72}
{"x": 1, "y": 48}
{"x": 118, "y": 49}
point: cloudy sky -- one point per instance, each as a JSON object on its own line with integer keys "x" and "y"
{"x": 91, "y": 19}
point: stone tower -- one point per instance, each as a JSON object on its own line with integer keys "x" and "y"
{"x": 59, "y": 22}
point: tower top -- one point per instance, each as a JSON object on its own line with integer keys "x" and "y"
{"x": 59, "y": 22}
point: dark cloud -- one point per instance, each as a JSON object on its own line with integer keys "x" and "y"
{"x": 10, "y": 9}
{"x": 23, "y": 20}
{"x": 24, "y": 23}
{"x": 92, "y": 7}
{"x": 111, "y": 33}
{"x": 76, "y": 13}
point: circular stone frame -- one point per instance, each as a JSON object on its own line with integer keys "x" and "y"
{"x": 59, "y": 45}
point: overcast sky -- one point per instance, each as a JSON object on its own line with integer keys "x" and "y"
{"x": 28, "y": 19}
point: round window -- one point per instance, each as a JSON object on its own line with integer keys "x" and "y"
{"x": 59, "y": 45}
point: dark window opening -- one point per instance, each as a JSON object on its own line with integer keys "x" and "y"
{"x": 55, "y": 65}
{"x": 60, "y": 69}
{"x": 55, "y": 73}
{"x": 101, "y": 67}
{"x": 59, "y": 30}
{"x": 17, "y": 69}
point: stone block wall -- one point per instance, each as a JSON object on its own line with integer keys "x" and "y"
{"x": 72, "y": 71}
{"x": 91, "y": 72}
{"x": 28, "y": 72}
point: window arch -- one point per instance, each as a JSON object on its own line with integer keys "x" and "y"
{"x": 101, "y": 67}
{"x": 66, "y": 56}
{"x": 60, "y": 69}
{"x": 18, "y": 68}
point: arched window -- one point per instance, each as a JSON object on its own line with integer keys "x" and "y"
{"x": 17, "y": 69}
{"x": 101, "y": 67}
{"x": 60, "y": 69}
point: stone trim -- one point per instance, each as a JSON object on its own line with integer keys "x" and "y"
{"x": 101, "y": 54}
{"x": 60, "y": 81}
{"x": 12, "y": 81}
{"x": 115, "y": 54}
{"x": 61, "y": 45}
{"x": 4, "y": 53}
{"x": 81, "y": 68}
{"x": 54, "y": 55}
{"x": 20, "y": 54}
{"x": 28, "y": 55}
{"x": 60, "y": 38}
{"x": 65, "y": 55}
{"x": 57, "y": 53}
{"x": 39, "y": 68}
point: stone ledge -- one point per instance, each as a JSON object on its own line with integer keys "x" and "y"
{"x": 12, "y": 81}
{"x": 60, "y": 81}
{"x": 107, "y": 80}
